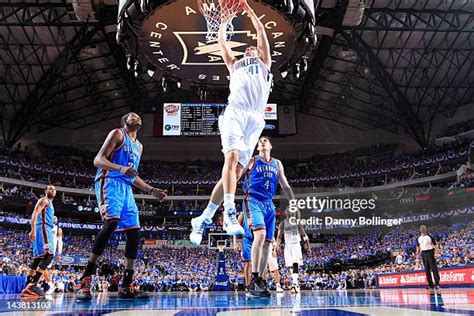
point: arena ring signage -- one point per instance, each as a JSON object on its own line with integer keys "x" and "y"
{"x": 173, "y": 39}
{"x": 407, "y": 200}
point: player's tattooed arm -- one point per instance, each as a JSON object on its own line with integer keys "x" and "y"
{"x": 226, "y": 51}
{"x": 263, "y": 46}
{"x": 303, "y": 234}
{"x": 279, "y": 237}
{"x": 249, "y": 165}
{"x": 101, "y": 160}
{"x": 40, "y": 205}
{"x": 157, "y": 193}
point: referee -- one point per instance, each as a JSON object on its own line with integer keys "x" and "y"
{"x": 427, "y": 245}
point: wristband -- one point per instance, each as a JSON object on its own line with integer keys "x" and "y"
{"x": 151, "y": 191}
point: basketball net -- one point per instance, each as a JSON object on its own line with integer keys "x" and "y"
{"x": 217, "y": 12}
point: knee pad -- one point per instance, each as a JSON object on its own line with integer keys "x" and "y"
{"x": 295, "y": 268}
{"x": 35, "y": 263}
{"x": 133, "y": 239}
{"x": 44, "y": 263}
{"x": 103, "y": 236}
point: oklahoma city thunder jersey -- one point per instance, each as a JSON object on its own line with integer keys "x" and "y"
{"x": 128, "y": 154}
{"x": 261, "y": 181}
{"x": 250, "y": 82}
{"x": 46, "y": 216}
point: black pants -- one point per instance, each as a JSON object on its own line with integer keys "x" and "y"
{"x": 429, "y": 262}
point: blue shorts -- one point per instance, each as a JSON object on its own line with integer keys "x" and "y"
{"x": 247, "y": 248}
{"x": 44, "y": 241}
{"x": 260, "y": 215}
{"x": 115, "y": 199}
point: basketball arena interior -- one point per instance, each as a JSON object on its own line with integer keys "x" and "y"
{"x": 366, "y": 207}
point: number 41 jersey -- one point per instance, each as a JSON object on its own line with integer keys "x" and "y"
{"x": 250, "y": 83}
{"x": 261, "y": 181}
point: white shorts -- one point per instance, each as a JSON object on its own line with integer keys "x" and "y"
{"x": 293, "y": 254}
{"x": 240, "y": 130}
{"x": 272, "y": 261}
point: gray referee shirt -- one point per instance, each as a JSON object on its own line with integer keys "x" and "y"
{"x": 426, "y": 242}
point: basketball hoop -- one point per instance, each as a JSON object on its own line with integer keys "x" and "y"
{"x": 221, "y": 245}
{"x": 219, "y": 11}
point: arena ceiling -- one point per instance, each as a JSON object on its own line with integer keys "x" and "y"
{"x": 395, "y": 65}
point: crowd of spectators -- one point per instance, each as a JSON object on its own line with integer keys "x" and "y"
{"x": 192, "y": 269}
{"x": 67, "y": 202}
{"x": 383, "y": 157}
{"x": 378, "y": 165}
{"x": 170, "y": 268}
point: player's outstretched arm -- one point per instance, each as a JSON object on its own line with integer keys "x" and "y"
{"x": 101, "y": 160}
{"x": 40, "y": 205}
{"x": 142, "y": 185}
{"x": 226, "y": 51}
{"x": 157, "y": 193}
{"x": 263, "y": 46}
{"x": 283, "y": 181}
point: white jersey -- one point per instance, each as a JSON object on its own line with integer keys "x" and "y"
{"x": 292, "y": 234}
{"x": 250, "y": 82}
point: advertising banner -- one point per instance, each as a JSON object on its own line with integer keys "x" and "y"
{"x": 449, "y": 276}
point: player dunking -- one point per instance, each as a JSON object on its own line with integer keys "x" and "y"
{"x": 42, "y": 236}
{"x": 261, "y": 181}
{"x": 241, "y": 124}
{"x": 117, "y": 163}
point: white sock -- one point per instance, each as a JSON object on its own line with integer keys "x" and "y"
{"x": 229, "y": 201}
{"x": 294, "y": 276}
{"x": 210, "y": 211}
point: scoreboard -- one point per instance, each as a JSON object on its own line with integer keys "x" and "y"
{"x": 201, "y": 119}
{"x": 191, "y": 119}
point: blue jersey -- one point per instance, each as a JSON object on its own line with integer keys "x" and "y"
{"x": 46, "y": 216}
{"x": 261, "y": 181}
{"x": 127, "y": 154}
{"x": 247, "y": 231}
